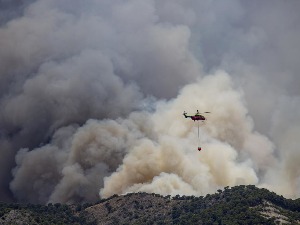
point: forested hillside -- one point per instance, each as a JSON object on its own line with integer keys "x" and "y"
{"x": 237, "y": 205}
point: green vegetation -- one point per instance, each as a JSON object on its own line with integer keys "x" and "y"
{"x": 238, "y": 205}
{"x": 245, "y": 204}
{"x": 46, "y": 214}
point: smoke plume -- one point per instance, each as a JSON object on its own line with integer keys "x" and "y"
{"x": 92, "y": 95}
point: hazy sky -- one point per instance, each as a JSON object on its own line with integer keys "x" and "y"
{"x": 92, "y": 92}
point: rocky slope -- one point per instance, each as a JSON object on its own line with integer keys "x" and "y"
{"x": 236, "y": 205}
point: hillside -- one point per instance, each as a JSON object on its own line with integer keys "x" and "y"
{"x": 236, "y": 205}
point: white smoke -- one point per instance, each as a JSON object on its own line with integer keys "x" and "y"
{"x": 171, "y": 163}
{"x": 92, "y": 95}
{"x": 150, "y": 152}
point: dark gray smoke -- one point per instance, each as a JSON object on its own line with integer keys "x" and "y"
{"x": 10, "y": 9}
{"x": 82, "y": 85}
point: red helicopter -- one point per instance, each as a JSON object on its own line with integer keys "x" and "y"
{"x": 199, "y": 117}
{"x": 195, "y": 117}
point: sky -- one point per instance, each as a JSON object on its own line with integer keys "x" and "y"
{"x": 92, "y": 95}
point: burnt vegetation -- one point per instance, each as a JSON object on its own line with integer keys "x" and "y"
{"x": 245, "y": 204}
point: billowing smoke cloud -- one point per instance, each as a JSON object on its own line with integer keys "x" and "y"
{"x": 64, "y": 63}
{"x": 92, "y": 93}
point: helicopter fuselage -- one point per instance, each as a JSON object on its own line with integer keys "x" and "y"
{"x": 197, "y": 117}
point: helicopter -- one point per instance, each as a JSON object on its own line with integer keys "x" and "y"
{"x": 197, "y": 117}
